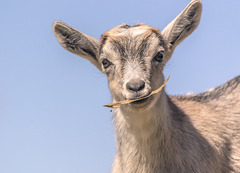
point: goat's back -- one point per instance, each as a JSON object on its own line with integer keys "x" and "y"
{"x": 216, "y": 115}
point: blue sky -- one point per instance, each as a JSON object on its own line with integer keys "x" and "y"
{"x": 51, "y": 114}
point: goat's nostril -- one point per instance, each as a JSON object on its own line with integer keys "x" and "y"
{"x": 135, "y": 86}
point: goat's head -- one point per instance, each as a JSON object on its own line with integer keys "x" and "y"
{"x": 132, "y": 57}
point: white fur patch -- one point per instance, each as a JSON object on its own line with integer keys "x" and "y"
{"x": 190, "y": 93}
{"x": 132, "y": 31}
{"x": 137, "y": 31}
{"x": 211, "y": 89}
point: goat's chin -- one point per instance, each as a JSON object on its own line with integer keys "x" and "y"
{"x": 141, "y": 104}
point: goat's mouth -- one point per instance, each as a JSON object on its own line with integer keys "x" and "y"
{"x": 144, "y": 102}
{"x": 140, "y": 101}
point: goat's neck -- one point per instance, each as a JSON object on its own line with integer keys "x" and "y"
{"x": 137, "y": 131}
{"x": 152, "y": 140}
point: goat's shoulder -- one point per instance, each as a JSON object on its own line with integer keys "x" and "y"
{"x": 222, "y": 102}
{"x": 216, "y": 115}
{"x": 230, "y": 88}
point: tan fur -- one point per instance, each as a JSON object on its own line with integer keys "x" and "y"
{"x": 116, "y": 31}
{"x": 162, "y": 134}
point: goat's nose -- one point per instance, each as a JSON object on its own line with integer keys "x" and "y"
{"x": 135, "y": 85}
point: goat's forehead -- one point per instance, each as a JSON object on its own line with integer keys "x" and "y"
{"x": 135, "y": 30}
{"x": 135, "y": 35}
{"x": 125, "y": 27}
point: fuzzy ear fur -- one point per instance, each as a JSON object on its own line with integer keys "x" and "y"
{"x": 76, "y": 42}
{"x": 184, "y": 24}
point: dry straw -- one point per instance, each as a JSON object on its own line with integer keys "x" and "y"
{"x": 118, "y": 104}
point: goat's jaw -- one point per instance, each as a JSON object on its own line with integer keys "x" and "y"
{"x": 140, "y": 105}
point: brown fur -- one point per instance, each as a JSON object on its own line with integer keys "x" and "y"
{"x": 166, "y": 134}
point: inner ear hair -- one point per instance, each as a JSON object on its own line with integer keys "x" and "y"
{"x": 184, "y": 24}
{"x": 76, "y": 42}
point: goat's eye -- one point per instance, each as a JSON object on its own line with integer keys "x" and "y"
{"x": 106, "y": 63}
{"x": 159, "y": 56}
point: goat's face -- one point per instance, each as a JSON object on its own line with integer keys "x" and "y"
{"x": 132, "y": 57}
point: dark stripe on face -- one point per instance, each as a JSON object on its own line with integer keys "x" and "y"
{"x": 143, "y": 46}
{"x": 159, "y": 36}
{"x": 118, "y": 47}
{"x": 103, "y": 41}
{"x": 88, "y": 51}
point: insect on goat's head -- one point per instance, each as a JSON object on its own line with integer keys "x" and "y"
{"x": 132, "y": 57}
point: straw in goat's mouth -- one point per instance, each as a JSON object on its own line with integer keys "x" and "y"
{"x": 118, "y": 104}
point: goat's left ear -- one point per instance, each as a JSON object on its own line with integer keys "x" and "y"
{"x": 76, "y": 42}
{"x": 184, "y": 24}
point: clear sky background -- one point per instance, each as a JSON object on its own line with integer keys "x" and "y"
{"x": 51, "y": 114}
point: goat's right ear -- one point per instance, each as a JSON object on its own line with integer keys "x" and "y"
{"x": 76, "y": 42}
{"x": 184, "y": 24}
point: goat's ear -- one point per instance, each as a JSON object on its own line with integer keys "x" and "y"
{"x": 76, "y": 42}
{"x": 184, "y": 24}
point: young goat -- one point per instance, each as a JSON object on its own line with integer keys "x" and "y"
{"x": 162, "y": 133}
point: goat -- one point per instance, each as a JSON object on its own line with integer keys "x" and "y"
{"x": 169, "y": 134}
